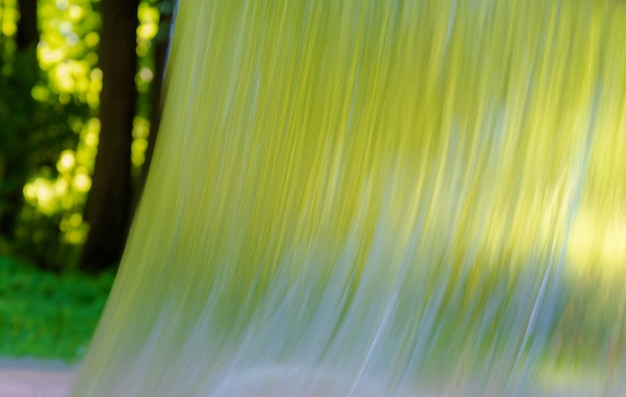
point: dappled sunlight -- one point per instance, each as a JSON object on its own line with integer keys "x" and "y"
{"x": 66, "y": 161}
{"x": 141, "y": 129}
{"x": 41, "y": 192}
{"x": 148, "y": 27}
{"x": 67, "y": 192}
{"x": 67, "y": 50}
{"x": 8, "y": 17}
{"x": 67, "y": 53}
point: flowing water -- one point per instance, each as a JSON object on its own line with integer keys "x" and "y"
{"x": 379, "y": 198}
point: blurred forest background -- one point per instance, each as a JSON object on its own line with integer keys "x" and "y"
{"x": 80, "y": 84}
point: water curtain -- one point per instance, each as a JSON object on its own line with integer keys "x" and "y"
{"x": 379, "y": 198}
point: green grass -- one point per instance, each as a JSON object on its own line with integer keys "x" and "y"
{"x": 46, "y": 315}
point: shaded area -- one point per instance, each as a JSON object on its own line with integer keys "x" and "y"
{"x": 108, "y": 209}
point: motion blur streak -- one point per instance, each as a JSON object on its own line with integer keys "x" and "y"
{"x": 380, "y": 198}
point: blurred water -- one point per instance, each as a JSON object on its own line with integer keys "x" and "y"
{"x": 379, "y": 198}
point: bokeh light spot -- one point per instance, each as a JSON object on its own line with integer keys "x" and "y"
{"x": 66, "y": 161}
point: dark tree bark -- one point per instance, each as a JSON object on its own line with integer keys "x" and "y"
{"x": 13, "y": 159}
{"x": 27, "y": 32}
{"x": 108, "y": 209}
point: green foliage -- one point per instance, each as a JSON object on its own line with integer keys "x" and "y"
{"x": 33, "y": 135}
{"x": 47, "y": 315}
{"x": 17, "y": 112}
{"x": 49, "y": 127}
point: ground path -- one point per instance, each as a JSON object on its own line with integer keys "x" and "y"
{"x": 39, "y": 378}
{"x": 35, "y": 378}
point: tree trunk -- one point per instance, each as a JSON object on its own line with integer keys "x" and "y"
{"x": 14, "y": 160}
{"x": 27, "y": 32}
{"x": 109, "y": 201}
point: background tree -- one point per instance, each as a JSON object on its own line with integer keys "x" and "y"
{"x": 109, "y": 200}
{"x": 17, "y": 111}
{"x": 27, "y": 32}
